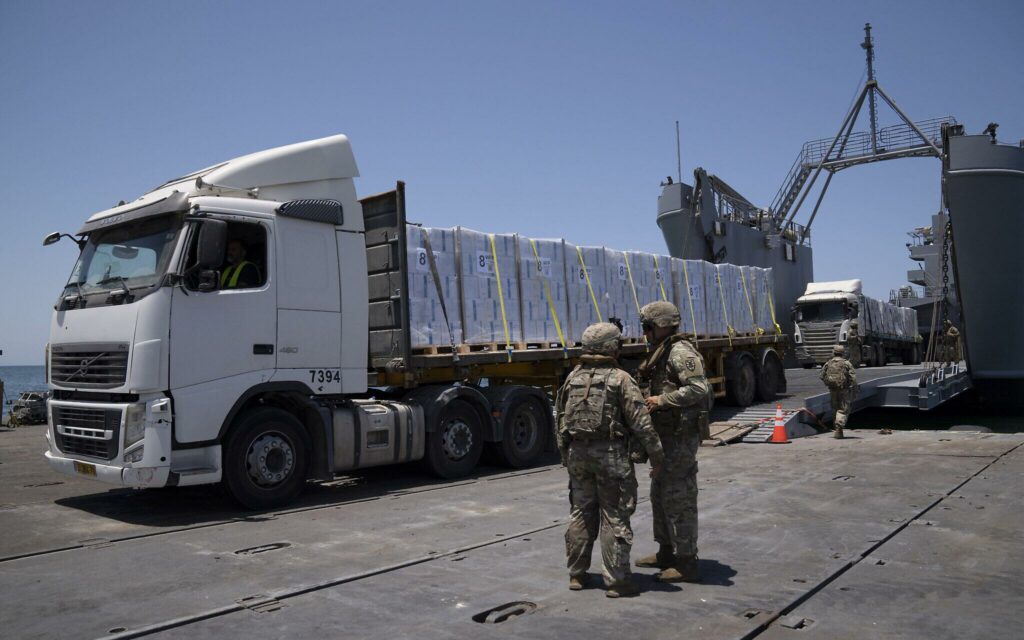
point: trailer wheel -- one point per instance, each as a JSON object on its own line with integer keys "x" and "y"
{"x": 769, "y": 379}
{"x": 525, "y": 433}
{"x": 266, "y": 458}
{"x": 740, "y": 387}
{"x": 454, "y": 446}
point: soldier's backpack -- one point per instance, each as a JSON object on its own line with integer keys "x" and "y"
{"x": 586, "y": 396}
{"x": 835, "y": 375}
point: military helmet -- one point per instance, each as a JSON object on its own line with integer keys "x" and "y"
{"x": 659, "y": 314}
{"x": 853, "y": 323}
{"x": 838, "y": 350}
{"x": 602, "y": 337}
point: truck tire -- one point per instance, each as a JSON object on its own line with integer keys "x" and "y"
{"x": 525, "y": 432}
{"x": 455, "y": 443}
{"x": 740, "y": 387}
{"x": 266, "y": 458}
{"x": 769, "y": 377}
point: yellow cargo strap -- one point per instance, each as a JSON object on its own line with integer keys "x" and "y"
{"x": 586, "y": 275}
{"x": 661, "y": 278}
{"x": 689, "y": 298}
{"x": 771, "y": 306}
{"x": 632, "y": 286}
{"x": 501, "y": 297}
{"x": 750, "y": 307}
{"x": 547, "y": 294}
{"x": 725, "y": 312}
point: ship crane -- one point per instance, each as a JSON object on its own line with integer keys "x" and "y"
{"x": 849, "y": 148}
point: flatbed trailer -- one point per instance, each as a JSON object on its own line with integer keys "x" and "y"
{"x": 741, "y": 369}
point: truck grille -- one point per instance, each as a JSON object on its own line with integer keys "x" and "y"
{"x": 83, "y": 431}
{"x": 819, "y": 340}
{"x": 97, "y": 366}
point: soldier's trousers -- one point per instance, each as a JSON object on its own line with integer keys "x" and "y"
{"x": 602, "y": 496}
{"x": 840, "y": 406}
{"x": 674, "y": 493}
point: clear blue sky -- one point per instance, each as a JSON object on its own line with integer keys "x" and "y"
{"x": 546, "y": 118}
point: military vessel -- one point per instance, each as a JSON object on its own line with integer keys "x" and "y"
{"x": 710, "y": 220}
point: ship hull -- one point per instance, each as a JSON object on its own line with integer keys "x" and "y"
{"x": 985, "y": 192}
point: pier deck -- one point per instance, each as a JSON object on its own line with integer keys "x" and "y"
{"x": 913, "y": 534}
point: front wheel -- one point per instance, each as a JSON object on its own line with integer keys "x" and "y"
{"x": 266, "y": 459}
{"x": 455, "y": 444}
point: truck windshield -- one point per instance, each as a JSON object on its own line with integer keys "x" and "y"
{"x": 132, "y": 256}
{"x": 820, "y": 312}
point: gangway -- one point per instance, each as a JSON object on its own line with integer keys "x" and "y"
{"x": 906, "y": 139}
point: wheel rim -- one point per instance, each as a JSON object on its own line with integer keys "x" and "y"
{"x": 524, "y": 430}
{"x": 456, "y": 439}
{"x": 270, "y": 459}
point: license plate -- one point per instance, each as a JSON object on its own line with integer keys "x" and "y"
{"x": 85, "y": 469}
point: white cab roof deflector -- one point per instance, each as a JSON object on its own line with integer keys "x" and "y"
{"x": 321, "y": 168}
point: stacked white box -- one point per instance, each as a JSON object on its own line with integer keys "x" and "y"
{"x": 426, "y": 320}
{"x": 691, "y": 298}
{"x": 748, "y": 298}
{"x": 762, "y": 291}
{"x": 582, "y": 296}
{"x": 620, "y": 296}
{"x": 485, "y": 319}
{"x": 732, "y": 288}
{"x": 542, "y": 273}
{"x": 652, "y": 280}
{"x": 719, "y": 315}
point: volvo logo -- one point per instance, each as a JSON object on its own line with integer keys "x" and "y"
{"x": 84, "y": 366}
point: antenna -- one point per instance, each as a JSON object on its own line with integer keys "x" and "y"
{"x": 679, "y": 157}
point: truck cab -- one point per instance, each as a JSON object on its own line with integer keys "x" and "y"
{"x": 152, "y": 354}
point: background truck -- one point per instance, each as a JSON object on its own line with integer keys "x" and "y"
{"x": 822, "y": 319}
{"x": 164, "y": 374}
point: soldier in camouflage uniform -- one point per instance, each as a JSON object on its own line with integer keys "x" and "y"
{"x": 952, "y": 342}
{"x": 678, "y": 398}
{"x": 600, "y": 410}
{"x": 853, "y": 343}
{"x": 841, "y": 380}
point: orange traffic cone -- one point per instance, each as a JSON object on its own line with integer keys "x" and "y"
{"x": 779, "y": 434}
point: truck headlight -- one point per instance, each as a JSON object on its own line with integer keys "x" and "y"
{"x": 134, "y": 424}
{"x": 135, "y": 455}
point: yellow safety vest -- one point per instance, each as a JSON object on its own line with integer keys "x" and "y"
{"x": 229, "y": 279}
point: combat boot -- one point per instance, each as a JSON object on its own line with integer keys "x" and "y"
{"x": 685, "y": 570}
{"x": 664, "y": 559}
{"x": 625, "y": 589}
{"x": 838, "y": 434}
{"x": 578, "y": 583}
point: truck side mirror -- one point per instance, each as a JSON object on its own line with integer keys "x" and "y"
{"x": 212, "y": 242}
{"x": 51, "y": 238}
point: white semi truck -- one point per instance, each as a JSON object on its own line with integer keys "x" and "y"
{"x": 822, "y": 319}
{"x": 169, "y": 368}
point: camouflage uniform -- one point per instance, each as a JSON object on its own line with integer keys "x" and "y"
{"x": 844, "y": 395}
{"x": 853, "y": 345}
{"x": 676, "y": 375}
{"x": 602, "y": 484}
{"x": 952, "y": 342}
